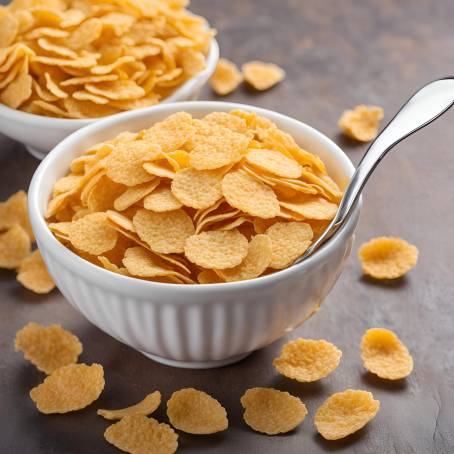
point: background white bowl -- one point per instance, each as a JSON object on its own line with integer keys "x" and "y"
{"x": 195, "y": 326}
{"x": 40, "y": 134}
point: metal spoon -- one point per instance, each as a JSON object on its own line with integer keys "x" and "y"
{"x": 425, "y": 106}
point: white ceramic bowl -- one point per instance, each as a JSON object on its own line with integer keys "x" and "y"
{"x": 196, "y": 326}
{"x": 40, "y": 134}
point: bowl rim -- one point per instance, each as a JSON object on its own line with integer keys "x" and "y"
{"x": 135, "y": 285}
{"x": 184, "y": 90}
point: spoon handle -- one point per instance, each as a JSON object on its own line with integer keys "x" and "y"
{"x": 425, "y": 106}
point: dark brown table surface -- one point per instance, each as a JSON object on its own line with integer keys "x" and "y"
{"x": 337, "y": 54}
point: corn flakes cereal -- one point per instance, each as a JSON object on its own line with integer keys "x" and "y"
{"x": 161, "y": 200}
{"x": 311, "y": 207}
{"x": 69, "y": 388}
{"x": 307, "y": 360}
{"x": 137, "y": 434}
{"x": 80, "y": 60}
{"x": 217, "y": 249}
{"x": 385, "y": 355}
{"x": 361, "y": 123}
{"x": 14, "y": 211}
{"x": 345, "y": 413}
{"x": 143, "y": 408}
{"x": 262, "y": 76}
{"x": 92, "y": 234}
{"x": 226, "y": 77}
{"x": 254, "y": 264}
{"x": 289, "y": 241}
{"x": 15, "y": 245}
{"x": 196, "y": 412}
{"x": 33, "y": 274}
{"x": 387, "y": 257}
{"x": 249, "y": 195}
{"x": 197, "y": 188}
{"x": 135, "y": 194}
{"x": 164, "y": 232}
{"x": 224, "y": 197}
{"x": 48, "y": 347}
{"x": 271, "y": 411}
{"x": 274, "y": 162}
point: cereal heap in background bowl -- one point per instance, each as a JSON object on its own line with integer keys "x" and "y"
{"x": 225, "y": 198}
{"x": 86, "y": 59}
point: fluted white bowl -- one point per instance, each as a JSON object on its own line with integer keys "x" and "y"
{"x": 40, "y": 134}
{"x": 195, "y": 326}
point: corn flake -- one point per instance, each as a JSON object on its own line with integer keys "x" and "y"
{"x": 92, "y": 234}
{"x": 69, "y": 388}
{"x": 48, "y": 348}
{"x": 271, "y": 411}
{"x": 275, "y": 163}
{"x": 362, "y": 122}
{"x": 254, "y": 264}
{"x": 135, "y": 194}
{"x": 344, "y": 413}
{"x": 249, "y": 195}
{"x": 196, "y": 412}
{"x": 197, "y": 188}
{"x": 33, "y": 274}
{"x": 226, "y": 77}
{"x": 387, "y": 257}
{"x": 15, "y": 245}
{"x": 217, "y": 249}
{"x": 289, "y": 241}
{"x": 311, "y": 207}
{"x": 161, "y": 200}
{"x": 164, "y": 232}
{"x": 14, "y": 211}
{"x": 138, "y": 434}
{"x": 385, "y": 355}
{"x": 143, "y": 408}
{"x": 262, "y": 76}
{"x": 307, "y": 360}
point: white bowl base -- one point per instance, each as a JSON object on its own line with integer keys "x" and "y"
{"x": 196, "y": 364}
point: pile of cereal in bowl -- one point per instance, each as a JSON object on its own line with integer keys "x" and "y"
{"x": 88, "y": 59}
{"x": 224, "y": 198}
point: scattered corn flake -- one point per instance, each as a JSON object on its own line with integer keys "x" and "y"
{"x": 362, "y": 122}
{"x": 14, "y": 211}
{"x": 311, "y": 207}
{"x": 33, "y": 274}
{"x": 387, "y": 257}
{"x": 92, "y": 234}
{"x": 15, "y": 245}
{"x": 216, "y": 249}
{"x": 344, "y": 413}
{"x": 164, "y": 232}
{"x": 124, "y": 164}
{"x": 242, "y": 191}
{"x": 289, "y": 241}
{"x": 254, "y": 264}
{"x": 226, "y": 77}
{"x": 69, "y": 388}
{"x": 138, "y": 434}
{"x": 196, "y": 412}
{"x": 274, "y": 162}
{"x": 307, "y": 360}
{"x": 144, "y": 408}
{"x": 161, "y": 200}
{"x": 385, "y": 355}
{"x": 48, "y": 347}
{"x": 262, "y": 76}
{"x": 197, "y": 188}
{"x": 271, "y": 411}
